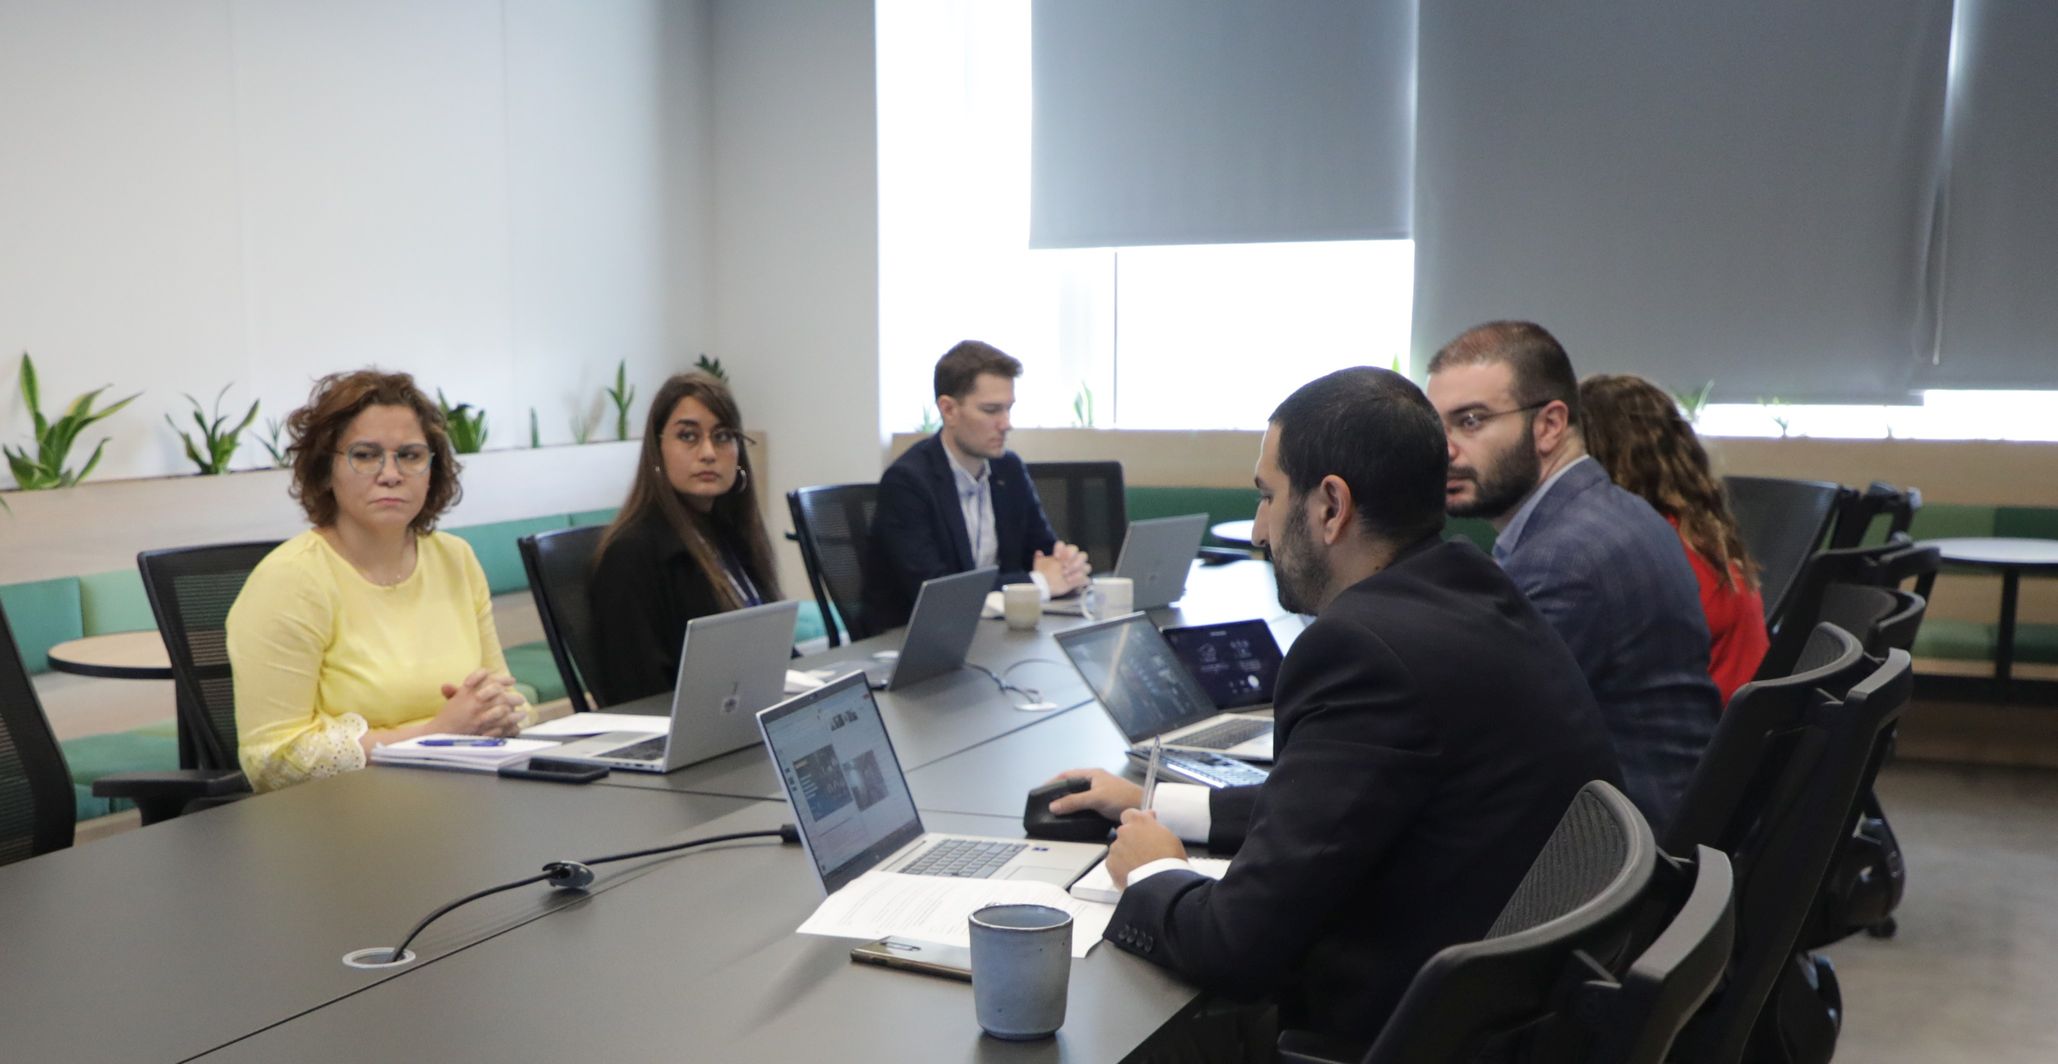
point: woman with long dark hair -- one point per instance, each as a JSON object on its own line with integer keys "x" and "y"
{"x": 688, "y": 542}
{"x": 1637, "y": 433}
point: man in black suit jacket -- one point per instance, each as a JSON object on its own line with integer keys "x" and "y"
{"x": 960, "y": 499}
{"x": 1431, "y": 730}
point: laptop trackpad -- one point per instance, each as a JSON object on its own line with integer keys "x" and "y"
{"x": 1061, "y": 876}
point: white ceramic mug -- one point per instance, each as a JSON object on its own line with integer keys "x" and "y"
{"x": 1110, "y": 596}
{"x": 1022, "y": 605}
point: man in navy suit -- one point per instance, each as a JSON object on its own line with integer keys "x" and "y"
{"x": 1604, "y": 569}
{"x": 960, "y": 499}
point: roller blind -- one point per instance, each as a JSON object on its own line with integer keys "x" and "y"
{"x": 1220, "y": 121}
{"x": 1736, "y": 192}
{"x": 1996, "y": 250}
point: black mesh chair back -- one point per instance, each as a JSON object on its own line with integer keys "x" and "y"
{"x": 1783, "y": 522}
{"x": 1859, "y": 610}
{"x": 1575, "y": 904}
{"x": 1643, "y": 1010}
{"x": 1861, "y": 510}
{"x": 1086, "y": 506}
{"x": 36, "y": 804}
{"x": 834, "y": 524}
{"x": 1824, "y": 570}
{"x": 560, "y": 568}
{"x": 191, "y": 590}
{"x": 1780, "y": 870}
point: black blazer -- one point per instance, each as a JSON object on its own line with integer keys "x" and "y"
{"x": 645, "y": 587}
{"x": 918, "y": 530}
{"x": 1431, "y": 730}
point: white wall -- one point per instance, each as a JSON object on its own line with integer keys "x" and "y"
{"x": 796, "y": 236}
{"x": 501, "y": 196}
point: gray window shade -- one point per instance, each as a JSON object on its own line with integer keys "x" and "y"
{"x": 1996, "y": 251}
{"x": 1736, "y": 192}
{"x": 1220, "y": 121}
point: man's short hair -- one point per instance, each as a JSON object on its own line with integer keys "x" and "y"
{"x": 1543, "y": 372}
{"x": 1377, "y": 431}
{"x": 957, "y": 372}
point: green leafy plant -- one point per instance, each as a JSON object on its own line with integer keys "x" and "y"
{"x": 622, "y": 394}
{"x": 1776, "y": 407}
{"x": 930, "y": 421}
{"x": 1082, "y": 407}
{"x": 216, "y": 445}
{"x": 1692, "y": 403}
{"x": 710, "y": 366}
{"x": 582, "y": 428}
{"x": 535, "y": 433}
{"x": 272, "y": 446}
{"x": 466, "y": 424}
{"x": 54, "y": 439}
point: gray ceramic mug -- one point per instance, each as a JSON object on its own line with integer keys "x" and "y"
{"x": 1021, "y": 965}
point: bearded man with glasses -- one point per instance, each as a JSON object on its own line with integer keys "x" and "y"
{"x": 1601, "y": 565}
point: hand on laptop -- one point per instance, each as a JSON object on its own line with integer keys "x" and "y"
{"x": 1139, "y": 841}
{"x": 1109, "y": 795}
{"x": 1065, "y": 568}
{"x": 482, "y": 704}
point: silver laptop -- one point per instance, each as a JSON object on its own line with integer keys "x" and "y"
{"x": 940, "y": 630}
{"x": 732, "y": 665}
{"x": 1157, "y": 553}
{"x": 1149, "y": 694}
{"x": 854, "y": 810}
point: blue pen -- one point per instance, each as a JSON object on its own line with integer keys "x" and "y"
{"x": 464, "y": 742}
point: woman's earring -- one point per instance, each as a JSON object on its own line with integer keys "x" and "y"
{"x": 742, "y": 479}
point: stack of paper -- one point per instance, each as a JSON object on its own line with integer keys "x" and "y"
{"x": 581, "y": 724}
{"x": 937, "y": 908}
{"x": 425, "y": 753}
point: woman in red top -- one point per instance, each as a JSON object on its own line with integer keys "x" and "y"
{"x": 1635, "y": 430}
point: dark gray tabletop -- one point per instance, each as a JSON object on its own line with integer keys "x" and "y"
{"x": 695, "y": 959}
{"x": 163, "y": 943}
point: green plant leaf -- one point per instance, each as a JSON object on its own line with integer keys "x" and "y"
{"x": 30, "y": 392}
{"x": 67, "y": 480}
{"x": 247, "y": 419}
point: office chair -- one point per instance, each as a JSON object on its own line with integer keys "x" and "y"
{"x": 1503, "y": 993}
{"x": 1783, "y": 522}
{"x": 1875, "y": 566}
{"x": 1782, "y": 1004}
{"x": 834, "y": 523}
{"x": 1640, "y": 1013}
{"x": 560, "y": 568}
{"x": 1086, "y": 505}
{"x": 191, "y": 590}
{"x": 1859, "y": 510}
{"x": 37, "y": 808}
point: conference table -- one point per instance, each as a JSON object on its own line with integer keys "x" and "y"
{"x": 220, "y": 936}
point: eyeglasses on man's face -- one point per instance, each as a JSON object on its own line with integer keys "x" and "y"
{"x": 368, "y": 459}
{"x": 1470, "y": 422}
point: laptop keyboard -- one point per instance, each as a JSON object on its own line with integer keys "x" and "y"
{"x": 1226, "y": 734}
{"x": 964, "y": 858}
{"x": 648, "y": 750}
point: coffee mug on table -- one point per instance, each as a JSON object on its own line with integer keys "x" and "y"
{"x": 1022, "y": 604}
{"x": 1109, "y": 596}
{"x": 1021, "y": 966}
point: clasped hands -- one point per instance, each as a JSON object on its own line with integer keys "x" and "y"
{"x": 1064, "y": 569}
{"x": 1139, "y": 840}
{"x": 482, "y": 704}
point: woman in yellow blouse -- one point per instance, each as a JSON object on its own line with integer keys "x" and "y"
{"x": 371, "y": 627}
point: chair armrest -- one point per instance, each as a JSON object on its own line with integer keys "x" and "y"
{"x": 185, "y": 784}
{"x": 1307, "y": 1047}
{"x": 164, "y": 795}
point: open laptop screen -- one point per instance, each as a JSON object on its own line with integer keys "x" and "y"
{"x": 1236, "y": 663}
{"x": 850, "y": 800}
{"x": 1136, "y": 676}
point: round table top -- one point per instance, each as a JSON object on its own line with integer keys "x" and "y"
{"x": 118, "y": 655}
{"x": 1999, "y": 552}
{"x": 1237, "y": 532}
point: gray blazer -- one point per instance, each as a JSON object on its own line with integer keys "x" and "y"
{"x": 1612, "y": 578}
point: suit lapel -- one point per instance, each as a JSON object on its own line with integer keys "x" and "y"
{"x": 944, "y": 484}
{"x": 1007, "y": 517}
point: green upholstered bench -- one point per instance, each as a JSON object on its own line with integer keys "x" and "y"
{"x": 1220, "y": 504}
{"x": 43, "y": 614}
{"x": 150, "y": 748}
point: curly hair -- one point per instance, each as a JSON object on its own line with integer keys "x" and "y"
{"x": 316, "y": 431}
{"x": 1637, "y": 433}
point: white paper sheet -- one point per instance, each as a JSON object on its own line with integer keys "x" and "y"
{"x": 936, "y": 908}
{"x": 1098, "y": 885}
{"x": 599, "y": 723}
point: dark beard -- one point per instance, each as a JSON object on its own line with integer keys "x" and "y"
{"x": 1516, "y": 473}
{"x": 1302, "y": 574}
